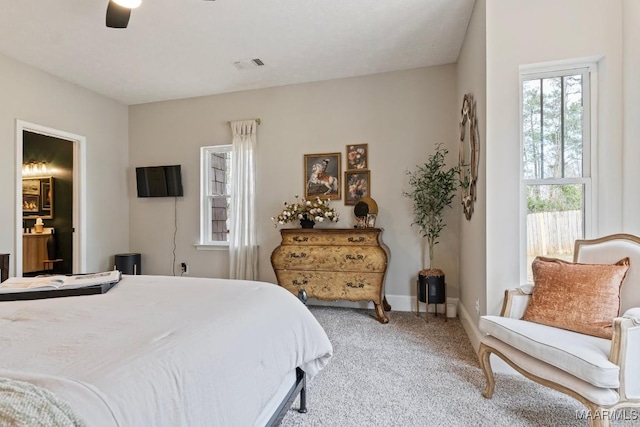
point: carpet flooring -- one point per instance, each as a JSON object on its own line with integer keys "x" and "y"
{"x": 413, "y": 373}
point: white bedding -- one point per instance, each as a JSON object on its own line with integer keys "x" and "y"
{"x": 163, "y": 351}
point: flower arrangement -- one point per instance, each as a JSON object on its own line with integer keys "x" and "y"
{"x": 357, "y": 156}
{"x": 318, "y": 211}
{"x": 357, "y": 186}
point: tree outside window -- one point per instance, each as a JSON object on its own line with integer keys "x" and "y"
{"x": 556, "y": 172}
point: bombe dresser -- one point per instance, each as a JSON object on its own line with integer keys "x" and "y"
{"x": 334, "y": 264}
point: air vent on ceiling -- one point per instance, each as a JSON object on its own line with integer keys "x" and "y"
{"x": 246, "y": 64}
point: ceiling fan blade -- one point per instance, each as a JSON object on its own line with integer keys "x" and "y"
{"x": 117, "y": 16}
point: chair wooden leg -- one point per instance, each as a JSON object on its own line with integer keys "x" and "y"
{"x": 484, "y": 353}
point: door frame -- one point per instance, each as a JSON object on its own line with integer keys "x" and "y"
{"x": 79, "y": 192}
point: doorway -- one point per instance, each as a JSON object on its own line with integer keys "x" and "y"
{"x": 49, "y": 165}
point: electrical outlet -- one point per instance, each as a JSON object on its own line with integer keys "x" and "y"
{"x": 478, "y": 305}
{"x": 185, "y": 268}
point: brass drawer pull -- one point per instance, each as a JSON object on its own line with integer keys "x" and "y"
{"x": 295, "y": 255}
{"x": 358, "y": 240}
{"x": 359, "y": 285}
{"x": 359, "y": 257}
{"x": 295, "y": 282}
{"x": 300, "y": 239}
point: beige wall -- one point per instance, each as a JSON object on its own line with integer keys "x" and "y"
{"x": 472, "y": 77}
{"x": 400, "y": 115}
{"x": 36, "y": 97}
{"x": 522, "y": 32}
{"x": 631, "y": 94}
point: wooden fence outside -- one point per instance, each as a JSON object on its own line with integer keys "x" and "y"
{"x": 553, "y": 233}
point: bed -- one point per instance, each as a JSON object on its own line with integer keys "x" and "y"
{"x": 167, "y": 351}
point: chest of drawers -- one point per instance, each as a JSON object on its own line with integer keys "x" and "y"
{"x": 334, "y": 264}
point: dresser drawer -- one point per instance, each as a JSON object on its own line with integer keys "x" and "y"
{"x": 331, "y": 237}
{"x": 333, "y": 285}
{"x": 330, "y": 258}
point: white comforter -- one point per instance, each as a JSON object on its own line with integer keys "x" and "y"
{"x": 163, "y": 351}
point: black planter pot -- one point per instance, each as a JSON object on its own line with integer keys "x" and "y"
{"x": 307, "y": 223}
{"x": 431, "y": 288}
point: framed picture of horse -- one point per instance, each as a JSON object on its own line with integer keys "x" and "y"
{"x": 322, "y": 173}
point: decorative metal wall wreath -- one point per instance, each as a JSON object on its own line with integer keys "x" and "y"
{"x": 469, "y": 154}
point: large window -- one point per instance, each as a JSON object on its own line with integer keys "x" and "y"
{"x": 216, "y": 176}
{"x": 556, "y": 147}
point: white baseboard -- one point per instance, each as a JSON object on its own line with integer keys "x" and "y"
{"x": 397, "y": 303}
{"x": 470, "y": 327}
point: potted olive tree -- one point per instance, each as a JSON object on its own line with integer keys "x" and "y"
{"x": 433, "y": 189}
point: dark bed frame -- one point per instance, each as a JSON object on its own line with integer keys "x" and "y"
{"x": 299, "y": 387}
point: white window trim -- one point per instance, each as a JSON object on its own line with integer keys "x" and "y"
{"x": 219, "y": 246}
{"x": 558, "y": 68}
{"x": 205, "y": 242}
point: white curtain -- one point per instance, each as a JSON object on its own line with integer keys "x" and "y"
{"x": 243, "y": 248}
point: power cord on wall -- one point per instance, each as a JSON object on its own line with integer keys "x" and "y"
{"x": 175, "y": 233}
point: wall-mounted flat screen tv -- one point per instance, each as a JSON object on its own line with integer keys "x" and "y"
{"x": 159, "y": 181}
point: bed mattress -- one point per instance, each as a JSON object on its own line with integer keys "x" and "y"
{"x": 163, "y": 351}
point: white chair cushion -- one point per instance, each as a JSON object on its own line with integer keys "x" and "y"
{"x": 600, "y": 396}
{"x": 633, "y": 314}
{"x": 585, "y": 356}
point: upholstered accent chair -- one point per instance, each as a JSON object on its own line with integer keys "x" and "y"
{"x": 603, "y": 374}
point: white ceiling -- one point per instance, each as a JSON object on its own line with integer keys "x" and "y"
{"x": 185, "y": 48}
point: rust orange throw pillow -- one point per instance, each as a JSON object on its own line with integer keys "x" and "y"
{"x": 582, "y": 298}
